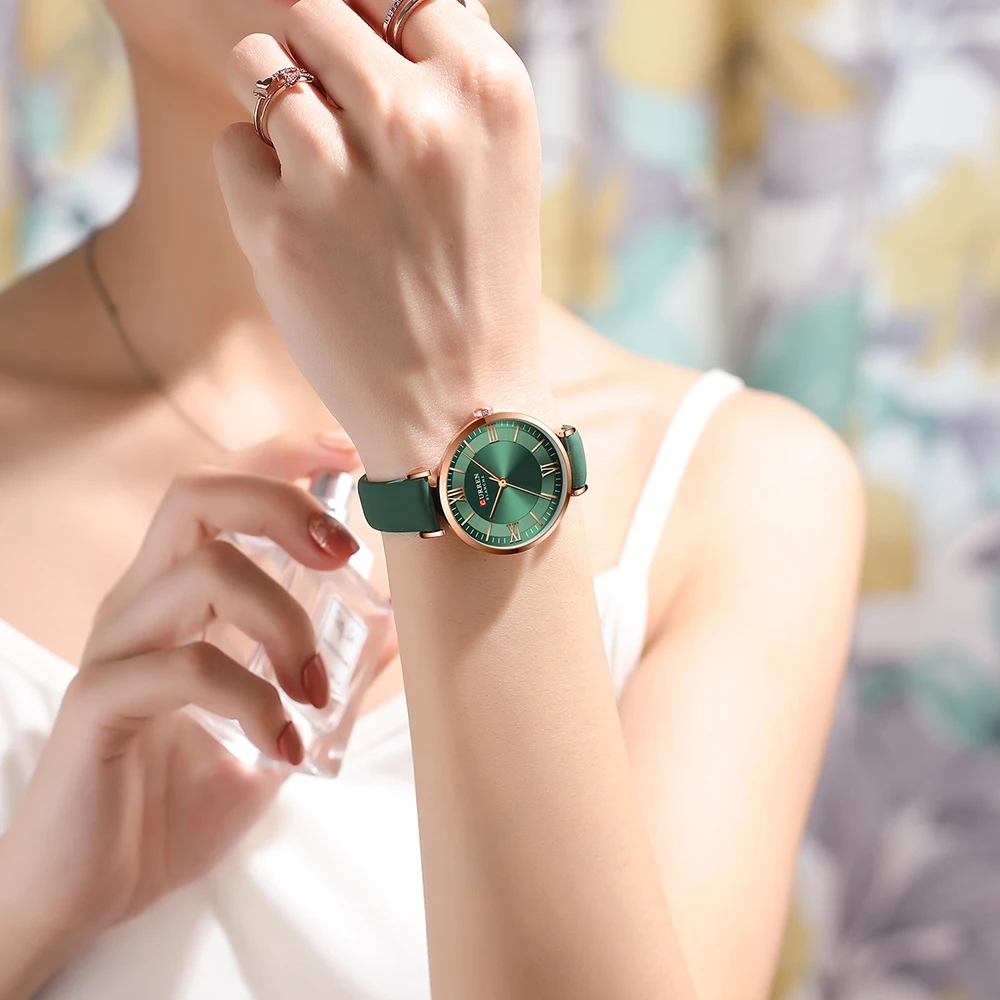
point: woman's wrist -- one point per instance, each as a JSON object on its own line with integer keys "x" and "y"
{"x": 415, "y": 437}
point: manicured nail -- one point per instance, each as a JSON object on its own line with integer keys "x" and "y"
{"x": 316, "y": 681}
{"x": 333, "y": 537}
{"x": 335, "y": 441}
{"x": 290, "y": 745}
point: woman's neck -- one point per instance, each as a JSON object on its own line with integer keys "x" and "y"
{"x": 183, "y": 288}
{"x": 172, "y": 257}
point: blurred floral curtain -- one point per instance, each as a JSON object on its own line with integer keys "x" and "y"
{"x": 807, "y": 192}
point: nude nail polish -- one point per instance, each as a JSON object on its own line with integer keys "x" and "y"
{"x": 290, "y": 744}
{"x": 316, "y": 681}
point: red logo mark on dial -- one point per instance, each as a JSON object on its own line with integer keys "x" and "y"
{"x": 482, "y": 503}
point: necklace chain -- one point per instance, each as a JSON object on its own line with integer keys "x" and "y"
{"x": 149, "y": 377}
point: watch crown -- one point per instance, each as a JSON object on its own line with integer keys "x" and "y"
{"x": 484, "y": 411}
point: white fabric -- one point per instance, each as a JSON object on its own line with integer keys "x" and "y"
{"x": 324, "y": 898}
{"x": 622, "y": 591}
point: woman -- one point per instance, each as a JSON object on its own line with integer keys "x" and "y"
{"x": 582, "y": 833}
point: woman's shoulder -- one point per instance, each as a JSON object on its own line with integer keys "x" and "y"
{"x": 773, "y": 503}
{"x": 768, "y": 462}
{"x": 52, "y": 328}
{"x": 56, "y": 361}
{"x": 752, "y": 437}
{"x": 765, "y": 473}
{"x": 30, "y": 359}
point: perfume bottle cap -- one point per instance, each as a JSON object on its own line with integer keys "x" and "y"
{"x": 335, "y": 491}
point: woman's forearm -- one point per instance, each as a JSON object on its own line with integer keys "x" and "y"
{"x": 539, "y": 877}
{"x": 540, "y": 880}
{"x": 26, "y": 962}
{"x": 31, "y": 950}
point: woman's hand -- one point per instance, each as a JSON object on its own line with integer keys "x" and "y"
{"x": 131, "y": 798}
{"x": 395, "y": 239}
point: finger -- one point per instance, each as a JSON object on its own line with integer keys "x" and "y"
{"x": 217, "y": 583}
{"x": 201, "y": 506}
{"x": 117, "y": 700}
{"x": 353, "y": 63}
{"x": 299, "y": 120}
{"x": 479, "y": 9}
{"x": 249, "y": 178}
{"x": 435, "y": 28}
{"x": 293, "y": 456}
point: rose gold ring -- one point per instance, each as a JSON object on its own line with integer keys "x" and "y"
{"x": 397, "y": 17}
{"x": 267, "y": 90}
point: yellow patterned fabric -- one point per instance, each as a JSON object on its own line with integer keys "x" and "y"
{"x": 66, "y": 144}
{"x": 807, "y": 192}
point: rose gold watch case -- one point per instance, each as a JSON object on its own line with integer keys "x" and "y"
{"x": 449, "y": 453}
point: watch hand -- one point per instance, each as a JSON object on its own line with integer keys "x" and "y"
{"x": 495, "y": 502}
{"x": 544, "y": 496}
{"x": 495, "y": 479}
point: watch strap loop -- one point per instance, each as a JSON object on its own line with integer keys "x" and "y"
{"x": 577, "y": 457}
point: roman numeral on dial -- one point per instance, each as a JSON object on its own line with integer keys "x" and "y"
{"x": 549, "y": 469}
{"x": 456, "y": 495}
{"x": 515, "y": 531}
{"x": 492, "y": 433}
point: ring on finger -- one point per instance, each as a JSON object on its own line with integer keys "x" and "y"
{"x": 396, "y": 19}
{"x": 267, "y": 90}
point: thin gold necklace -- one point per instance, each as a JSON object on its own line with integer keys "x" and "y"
{"x": 148, "y": 376}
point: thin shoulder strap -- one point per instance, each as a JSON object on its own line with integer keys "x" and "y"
{"x": 679, "y": 442}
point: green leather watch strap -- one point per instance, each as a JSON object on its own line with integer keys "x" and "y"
{"x": 401, "y": 505}
{"x": 577, "y": 457}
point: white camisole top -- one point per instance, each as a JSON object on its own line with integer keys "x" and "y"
{"x": 324, "y": 898}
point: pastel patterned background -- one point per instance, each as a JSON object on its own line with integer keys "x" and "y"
{"x": 808, "y": 192}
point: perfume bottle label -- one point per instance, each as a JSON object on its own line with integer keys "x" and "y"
{"x": 342, "y": 636}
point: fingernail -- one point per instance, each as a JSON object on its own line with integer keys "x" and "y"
{"x": 335, "y": 441}
{"x": 290, "y": 745}
{"x": 333, "y": 537}
{"x": 316, "y": 681}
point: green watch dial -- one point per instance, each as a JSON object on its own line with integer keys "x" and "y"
{"x": 506, "y": 483}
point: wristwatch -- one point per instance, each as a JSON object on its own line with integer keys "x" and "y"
{"x": 502, "y": 486}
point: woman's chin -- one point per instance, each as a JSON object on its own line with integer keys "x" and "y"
{"x": 193, "y": 38}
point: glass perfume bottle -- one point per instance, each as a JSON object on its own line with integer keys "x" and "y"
{"x": 352, "y": 622}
